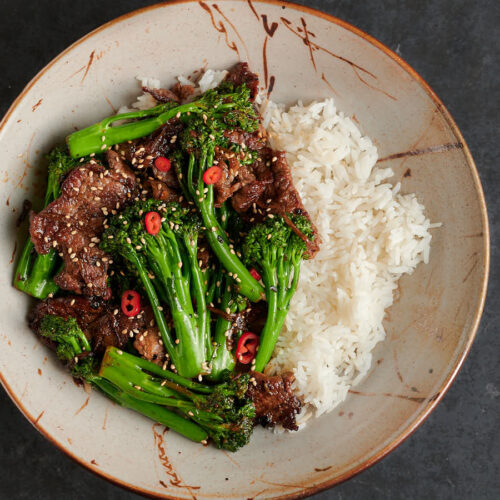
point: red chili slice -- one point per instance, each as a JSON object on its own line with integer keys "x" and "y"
{"x": 255, "y": 274}
{"x": 162, "y": 164}
{"x": 153, "y": 222}
{"x": 212, "y": 175}
{"x": 131, "y": 303}
{"x": 247, "y": 347}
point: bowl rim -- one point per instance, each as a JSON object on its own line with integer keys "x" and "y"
{"x": 413, "y": 426}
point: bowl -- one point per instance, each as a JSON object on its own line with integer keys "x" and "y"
{"x": 303, "y": 54}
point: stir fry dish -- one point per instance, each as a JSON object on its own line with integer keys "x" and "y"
{"x": 165, "y": 259}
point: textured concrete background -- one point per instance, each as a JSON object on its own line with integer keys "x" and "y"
{"x": 455, "y": 46}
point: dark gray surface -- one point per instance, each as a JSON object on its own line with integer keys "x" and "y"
{"x": 454, "y": 45}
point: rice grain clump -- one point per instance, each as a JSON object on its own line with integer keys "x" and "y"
{"x": 371, "y": 235}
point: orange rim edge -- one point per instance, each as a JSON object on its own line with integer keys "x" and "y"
{"x": 486, "y": 239}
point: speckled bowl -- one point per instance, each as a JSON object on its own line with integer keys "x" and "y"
{"x": 300, "y": 54}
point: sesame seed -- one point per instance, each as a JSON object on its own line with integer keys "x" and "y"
{"x": 177, "y": 341}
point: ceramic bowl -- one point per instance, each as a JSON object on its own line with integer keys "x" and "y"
{"x": 300, "y": 54}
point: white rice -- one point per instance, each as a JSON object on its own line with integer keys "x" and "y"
{"x": 371, "y": 234}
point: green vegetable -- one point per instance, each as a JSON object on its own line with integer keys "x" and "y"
{"x": 225, "y": 101}
{"x": 34, "y": 273}
{"x": 274, "y": 249}
{"x": 171, "y": 257}
{"x": 73, "y": 348}
{"x": 201, "y": 135}
{"x": 231, "y": 302}
{"x": 221, "y": 412}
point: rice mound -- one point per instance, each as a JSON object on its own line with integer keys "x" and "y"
{"x": 371, "y": 233}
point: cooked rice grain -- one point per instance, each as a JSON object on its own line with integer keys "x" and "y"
{"x": 372, "y": 234}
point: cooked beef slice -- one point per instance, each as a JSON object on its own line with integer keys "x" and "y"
{"x": 240, "y": 73}
{"x": 73, "y": 223}
{"x": 274, "y": 400}
{"x": 94, "y": 316}
{"x": 105, "y": 325}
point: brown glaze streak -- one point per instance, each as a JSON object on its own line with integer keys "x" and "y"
{"x": 220, "y": 28}
{"x": 269, "y": 30}
{"x": 398, "y": 372}
{"x": 317, "y": 469}
{"x": 111, "y": 105}
{"x": 175, "y": 480}
{"x": 83, "y": 406}
{"x": 264, "y": 60}
{"x": 272, "y": 81}
{"x": 27, "y": 165}
{"x": 304, "y": 34}
{"x": 39, "y": 417}
{"x": 89, "y": 64}
{"x": 373, "y": 87}
{"x": 469, "y": 272}
{"x": 314, "y": 45}
{"x": 93, "y": 462}
{"x": 217, "y": 8}
{"x": 323, "y": 77}
{"x": 36, "y": 105}
{"x": 252, "y": 8}
{"x": 413, "y": 399}
{"x": 13, "y": 256}
{"x": 105, "y": 419}
{"x": 441, "y": 148}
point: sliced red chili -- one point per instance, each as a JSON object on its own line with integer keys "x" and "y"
{"x": 131, "y": 303}
{"x": 247, "y": 347}
{"x": 212, "y": 175}
{"x": 255, "y": 274}
{"x": 162, "y": 164}
{"x": 153, "y": 222}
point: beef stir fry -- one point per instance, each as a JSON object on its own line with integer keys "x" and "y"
{"x": 166, "y": 257}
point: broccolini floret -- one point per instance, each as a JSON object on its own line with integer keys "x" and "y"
{"x": 277, "y": 251}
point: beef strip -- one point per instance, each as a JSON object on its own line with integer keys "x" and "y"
{"x": 178, "y": 93}
{"x": 240, "y": 73}
{"x": 94, "y": 316}
{"x": 105, "y": 325}
{"x": 162, "y": 95}
{"x": 161, "y": 191}
{"x": 148, "y": 341}
{"x": 274, "y": 400}
{"x": 73, "y": 223}
{"x": 183, "y": 92}
{"x": 141, "y": 153}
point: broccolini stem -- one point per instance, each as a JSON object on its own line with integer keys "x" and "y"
{"x": 223, "y": 358}
{"x": 155, "y": 304}
{"x": 217, "y": 238}
{"x": 34, "y": 272}
{"x": 143, "y": 364}
{"x": 199, "y": 288}
{"x": 153, "y": 411}
{"x": 102, "y": 135}
{"x": 274, "y": 321}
